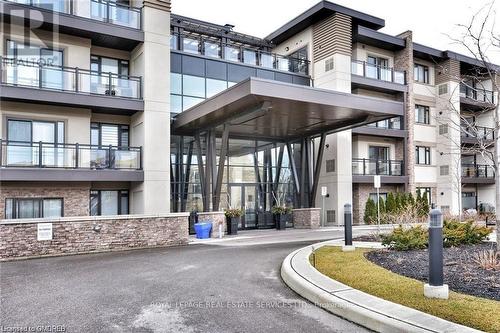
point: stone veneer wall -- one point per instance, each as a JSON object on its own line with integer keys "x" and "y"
{"x": 306, "y": 218}
{"x": 361, "y": 192}
{"x": 217, "y": 218}
{"x": 18, "y": 238}
{"x": 75, "y": 196}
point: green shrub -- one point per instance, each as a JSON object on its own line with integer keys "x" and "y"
{"x": 370, "y": 212}
{"x": 381, "y": 205}
{"x": 390, "y": 205}
{"x": 402, "y": 239}
{"x": 457, "y": 233}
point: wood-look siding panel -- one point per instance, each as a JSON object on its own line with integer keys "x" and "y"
{"x": 332, "y": 35}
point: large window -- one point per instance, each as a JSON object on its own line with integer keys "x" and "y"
{"x": 109, "y": 135}
{"x": 423, "y": 155}
{"x": 27, "y": 208}
{"x": 109, "y": 202}
{"x": 422, "y": 114}
{"x": 421, "y": 73}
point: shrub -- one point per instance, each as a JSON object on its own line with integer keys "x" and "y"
{"x": 390, "y": 205}
{"x": 281, "y": 210}
{"x": 402, "y": 239}
{"x": 370, "y": 212}
{"x": 488, "y": 259}
{"x": 381, "y": 205}
{"x": 457, "y": 233}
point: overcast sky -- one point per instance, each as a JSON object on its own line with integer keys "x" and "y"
{"x": 430, "y": 20}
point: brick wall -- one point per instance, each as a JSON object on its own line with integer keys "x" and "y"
{"x": 18, "y": 238}
{"x": 306, "y": 218}
{"x": 75, "y": 197}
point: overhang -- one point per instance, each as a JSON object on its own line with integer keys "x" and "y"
{"x": 319, "y": 12}
{"x": 101, "y": 33}
{"x": 70, "y": 175}
{"x": 271, "y": 110}
{"x": 376, "y": 38}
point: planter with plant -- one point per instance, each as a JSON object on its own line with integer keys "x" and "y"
{"x": 233, "y": 218}
{"x": 281, "y": 215}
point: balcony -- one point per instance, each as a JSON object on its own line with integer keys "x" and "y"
{"x": 390, "y": 127}
{"x": 197, "y": 45}
{"x": 106, "y": 23}
{"x": 477, "y": 134}
{"x": 478, "y": 174}
{"x": 69, "y": 86}
{"x": 20, "y": 160}
{"x": 392, "y": 171}
{"x": 477, "y": 99}
{"x": 379, "y": 78}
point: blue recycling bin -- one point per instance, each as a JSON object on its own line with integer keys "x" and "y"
{"x": 202, "y": 229}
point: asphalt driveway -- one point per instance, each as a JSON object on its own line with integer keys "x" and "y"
{"x": 230, "y": 286}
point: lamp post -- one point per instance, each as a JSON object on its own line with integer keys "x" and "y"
{"x": 348, "y": 247}
{"x": 436, "y": 288}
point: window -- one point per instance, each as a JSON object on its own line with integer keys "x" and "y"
{"x": 330, "y": 165}
{"x": 193, "y": 86}
{"x": 266, "y": 60}
{"x": 393, "y": 123}
{"x": 191, "y": 45}
{"x": 250, "y": 57}
{"x": 212, "y": 49}
{"x": 377, "y": 68}
{"x": 425, "y": 192}
{"x": 329, "y": 64}
{"x": 215, "y": 86}
{"x": 443, "y": 89}
{"x": 27, "y": 208}
{"x": 175, "y": 83}
{"x": 109, "y": 65}
{"x": 373, "y": 196}
{"x": 232, "y": 53}
{"x": 443, "y": 129}
{"x": 174, "y": 41}
{"x": 422, "y": 114}
{"x": 444, "y": 170}
{"x": 421, "y": 73}
{"x": 423, "y": 155}
{"x": 109, "y": 135}
{"x": 109, "y": 202}
{"x": 104, "y": 85}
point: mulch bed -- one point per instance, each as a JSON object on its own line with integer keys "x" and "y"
{"x": 461, "y": 272}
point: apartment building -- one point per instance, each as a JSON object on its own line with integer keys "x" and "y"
{"x": 116, "y": 107}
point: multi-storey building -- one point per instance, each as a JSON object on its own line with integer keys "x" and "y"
{"x": 117, "y": 107}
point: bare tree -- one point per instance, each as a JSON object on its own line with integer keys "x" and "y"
{"x": 481, "y": 37}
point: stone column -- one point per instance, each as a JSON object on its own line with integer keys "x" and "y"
{"x": 151, "y": 128}
{"x": 403, "y": 60}
{"x": 332, "y": 41}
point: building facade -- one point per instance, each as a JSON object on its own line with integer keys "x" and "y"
{"x": 120, "y": 107}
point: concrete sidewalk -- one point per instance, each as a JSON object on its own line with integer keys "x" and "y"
{"x": 361, "y": 308}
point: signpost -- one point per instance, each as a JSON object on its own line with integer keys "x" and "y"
{"x": 324, "y": 192}
{"x": 376, "y": 184}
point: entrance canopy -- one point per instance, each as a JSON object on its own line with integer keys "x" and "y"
{"x": 271, "y": 110}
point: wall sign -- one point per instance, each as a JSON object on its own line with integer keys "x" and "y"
{"x": 44, "y": 231}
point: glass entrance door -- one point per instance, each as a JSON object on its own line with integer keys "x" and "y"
{"x": 245, "y": 197}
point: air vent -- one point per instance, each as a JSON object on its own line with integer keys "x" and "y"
{"x": 331, "y": 216}
{"x": 330, "y": 165}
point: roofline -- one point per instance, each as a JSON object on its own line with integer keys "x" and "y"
{"x": 302, "y": 21}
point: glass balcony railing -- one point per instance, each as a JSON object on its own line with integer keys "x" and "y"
{"x": 477, "y": 171}
{"x": 369, "y": 167}
{"x": 100, "y": 10}
{"x": 479, "y": 95}
{"x": 22, "y": 154}
{"x": 478, "y": 132}
{"x": 393, "y": 123}
{"x": 231, "y": 52}
{"x": 22, "y": 73}
{"x": 388, "y": 74}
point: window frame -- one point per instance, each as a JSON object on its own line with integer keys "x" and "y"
{"x": 426, "y": 157}
{"x": 39, "y": 200}
{"x": 425, "y": 73}
{"x": 31, "y": 121}
{"x": 97, "y": 194}
{"x": 120, "y": 64}
{"x": 121, "y": 130}
{"x": 427, "y": 112}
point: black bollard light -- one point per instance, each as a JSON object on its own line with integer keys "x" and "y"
{"x": 436, "y": 287}
{"x": 348, "y": 229}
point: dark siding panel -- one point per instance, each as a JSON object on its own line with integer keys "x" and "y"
{"x": 239, "y": 73}
{"x": 265, "y": 74}
{"x": 284, "y": 77}
{"x": 193, "y": 66}
{"x": 216, "y": 70}
{"x": 175, "y": 63}
{"x": 301, "y": 80}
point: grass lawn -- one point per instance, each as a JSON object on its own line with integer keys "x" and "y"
{"x": 354, "y": 270}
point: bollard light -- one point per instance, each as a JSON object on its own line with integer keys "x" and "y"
{"x": 436, "y": 287}
{"x": 348, "y": 229}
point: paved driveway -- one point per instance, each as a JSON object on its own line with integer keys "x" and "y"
{"x": 229, "y": 286}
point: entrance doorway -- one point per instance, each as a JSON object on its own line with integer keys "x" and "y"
{"x": 244, "y": 196}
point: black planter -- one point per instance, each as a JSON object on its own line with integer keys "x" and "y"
{"x": 265, "y": 220}
{"x": 280, "y": 220}
{"x": 232, "y": 225}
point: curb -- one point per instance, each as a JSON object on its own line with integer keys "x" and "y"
{"x": 354, "y": 305}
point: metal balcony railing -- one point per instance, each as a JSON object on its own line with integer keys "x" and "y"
{"x": 477, "y": 171}
{"x": 40, "y": 75}
{"x": 23, "y": 154}
{"x": 476, "y": 94}
{"x": 393, "y": 124}
{"x": 388, "y": 74}
{"x": 479, "y": 132}
{"x": 100, "y": 10}
{"x": 195, "y": 44}
{"x": 369, "y": 167}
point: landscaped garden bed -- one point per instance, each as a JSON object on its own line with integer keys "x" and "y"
{"x": 462, "y": 271}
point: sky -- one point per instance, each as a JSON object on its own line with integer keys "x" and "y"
{"x": 432, "y": 21}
